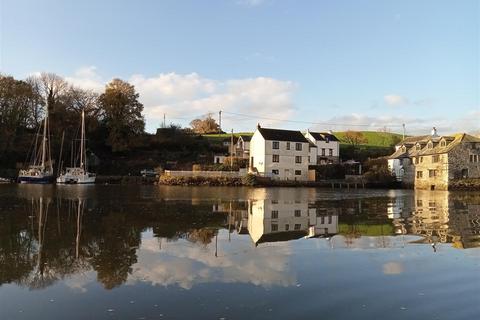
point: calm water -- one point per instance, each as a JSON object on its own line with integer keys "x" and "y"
{"x": 145, "y": 252}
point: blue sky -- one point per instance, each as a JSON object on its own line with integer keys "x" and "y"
{"x": 340, "y": 63}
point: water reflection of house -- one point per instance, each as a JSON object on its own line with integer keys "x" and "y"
{"x": 283, "y": 217}
{"x": 443, "y": 217}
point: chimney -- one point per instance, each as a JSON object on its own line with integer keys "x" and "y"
{"x": 434, "y": 132}
{"x": 330, "y": 132}
{"x": 258, "y": 126}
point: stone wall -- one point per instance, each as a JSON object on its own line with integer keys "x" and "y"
{"x": 429, "y": 182}
{"x": 459, "y": 160}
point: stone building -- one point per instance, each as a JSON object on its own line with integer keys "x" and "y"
{"x": 433, "y": 162}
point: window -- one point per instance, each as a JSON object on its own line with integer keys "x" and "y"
{"x": 419, "y": 174}
{"x": 322, "y": 220}
{"x": 298, "y": 159}
{"x": 275, "y": 158}
{"x": 418, "y": 147}
{"x": 308, "y": 159}
{"x": 323, "y": 151}
{"x": 298, "y": 172}
{"x": 275, "y": 171}
{"x": 274, "y": 227}
{"x": 430, "y": 145}
{"x": 327, "y": 139}
{"x": 297, "y": 226}
{"x": 274, "y": 214}
{"x": 275, "y": 145}
{"x": 329, "y": 219}
{"x": 421, "y": 159}
{"x": 432, "y": 173}
{"x": 298, "y": 146}
{"x": 330, "y": 152}
{"x": 287, "y": 227}
{"x": 416, "y": 160}
{"x": 274, "y": 201}
{"x": 288, "y": 145}
{"x": 471, "y": 158}
{"x": 435, "y": 158}
{"x": 298, "y": 213}
{"x": 443, "y": 144}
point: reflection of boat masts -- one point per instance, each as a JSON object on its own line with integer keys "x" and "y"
{"x": 42, "y": 225}
{"x": 216, "y": 245}
{"x": 229, "y": 221}
{"x": 79, "y": 228}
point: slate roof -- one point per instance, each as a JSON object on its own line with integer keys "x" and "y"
{"x": 452, "y": 142}
{"x": 282, "y": 135}
{"x": 322, "y": 136}
{"x": 246, "y": 138}
{"x": 413, "y": 140}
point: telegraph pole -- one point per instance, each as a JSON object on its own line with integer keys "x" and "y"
{"x": 220, "y": 119}
{"x": 231, "y": 152}
{"x": 403, "y": 125}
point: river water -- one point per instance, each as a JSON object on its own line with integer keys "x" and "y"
{"x": 150, "y": 252}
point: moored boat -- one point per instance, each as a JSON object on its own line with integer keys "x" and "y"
{"x": 78, "y": 174}
{"x": 40, "y": 170}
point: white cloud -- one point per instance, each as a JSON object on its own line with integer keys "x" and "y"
{"x": 395, "y": 100}
{"x": 357, "y": 121}
{"x": 186, "y": 265}
{"x": 187, "y": 96}
{"x": 87, "y": 78}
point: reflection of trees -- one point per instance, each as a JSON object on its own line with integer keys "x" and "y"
{"x": 44, "y": 240}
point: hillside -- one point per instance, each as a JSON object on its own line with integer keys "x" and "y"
{"x": 374, "y": 138}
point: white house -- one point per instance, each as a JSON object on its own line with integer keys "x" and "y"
{"x": 279, "y": 154}
{"x": 328, "y": 147}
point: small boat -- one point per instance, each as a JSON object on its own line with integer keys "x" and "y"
{"x": 78, "y": 174}
{"x": 40, "y": 170}
{"x": 5, "y": 180}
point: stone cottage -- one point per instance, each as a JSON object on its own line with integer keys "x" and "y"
{"x": 433, "y": 162}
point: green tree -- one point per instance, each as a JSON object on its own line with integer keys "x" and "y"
{"x": 121, "y": 113}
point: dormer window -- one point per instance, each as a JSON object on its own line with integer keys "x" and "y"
{"x": 430, "y": 145}
{"x": 418, "y": 147}
{"x": 404, "y": 149}
{"x": 443, "y": 143}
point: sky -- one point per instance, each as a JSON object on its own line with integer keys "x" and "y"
{"x": 293, "y": 64}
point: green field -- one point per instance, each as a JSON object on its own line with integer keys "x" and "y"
{"x": 375, "y": 138}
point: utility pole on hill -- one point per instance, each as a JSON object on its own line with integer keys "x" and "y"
{"x": 231, "y": 152}
{"x": 220, "y": 120}
{"x": 403, "y": 125}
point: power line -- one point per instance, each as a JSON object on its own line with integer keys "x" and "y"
{"x": 310, "y": 122}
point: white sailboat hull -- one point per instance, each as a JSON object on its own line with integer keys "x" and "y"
{"x": 76, "y": 176}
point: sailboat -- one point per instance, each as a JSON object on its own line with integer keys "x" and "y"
{"x": 80, "y": 174}
{"x": 40, "y": 170}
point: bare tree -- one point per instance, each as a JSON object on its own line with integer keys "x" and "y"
{"x": 354, "y": 139}
{"x": 50, "y": 86}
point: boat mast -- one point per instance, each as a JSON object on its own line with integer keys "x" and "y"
{"x": 82, "y": 144}
{"x": 44, "y": 143}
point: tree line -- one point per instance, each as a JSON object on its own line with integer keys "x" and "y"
{"x": 114, "y": 117}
